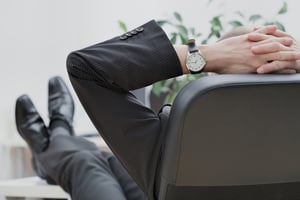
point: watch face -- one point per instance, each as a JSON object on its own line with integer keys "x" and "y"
{"x": 195, "y": 62}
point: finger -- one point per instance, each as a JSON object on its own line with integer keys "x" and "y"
{"x": 277, "y": 66}
{"x": 282, "y": 56}
{"x": 280, "y": 33}
{"x": 266, "y": 48}
{"x": 286, "y": 41}
{"x": 256, "y": 37}
{"x": 286, "y": 71}
{"x": 270, "y": 29}
{"x": 282, "y": 40}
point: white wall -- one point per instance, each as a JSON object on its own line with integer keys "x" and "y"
{"x": 37, "y": 35}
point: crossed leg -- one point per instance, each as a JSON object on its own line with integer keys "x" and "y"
{"x": 60, "y": 157}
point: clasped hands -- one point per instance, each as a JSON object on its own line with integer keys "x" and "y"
{"x": 263, "y": 50}
{"x": 279, "y": 48}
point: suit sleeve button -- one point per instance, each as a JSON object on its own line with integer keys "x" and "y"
{"x": 140, "y": 29}
{"x": 123, "y": 37}
{"x": 133, "y": 32}
{"x": 128, "y": 34}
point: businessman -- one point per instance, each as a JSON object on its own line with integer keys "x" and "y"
{"x": 102, "y": 76}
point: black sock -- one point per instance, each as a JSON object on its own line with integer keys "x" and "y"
{"x": 60, "y": 127}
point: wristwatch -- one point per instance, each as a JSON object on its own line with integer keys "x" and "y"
{"x": 195, "y": 61}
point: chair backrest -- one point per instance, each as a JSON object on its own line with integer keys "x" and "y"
{"x": 234, "y": 137}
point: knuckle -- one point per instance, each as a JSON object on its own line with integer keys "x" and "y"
{"x": 284, "y": 41}
{"x": 275, "y": 66}
{"x": 293, "y": 56}
{"x": 277, "y": 46}
{"x": 281, "y": 56}
{"x": 288, "y": 40}
{"x": 276, "y": 56}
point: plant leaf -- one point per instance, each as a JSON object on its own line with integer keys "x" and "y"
{"x": 240, "y": 14}
{"x": 235, "y": 23}
{"x": 208, "y": 37}
{"x": 170, "y": 98}
{"x": 123, "y": 26}
{"x": 204, "y": 41}
{"x": 184, "y": 39}
{"x": 278, "y": 24}
{"x": 183, "y": 32}
{"x": 209, "y": 1}
{"x": 178, "y": 16}
{"x": 216, "y": 27}
{"x": 198, "y": 34}
{"x": 169, "y": 82}
{"x": 283, "y": 9}
{"x": 161, "y": 22}
{"x": 217, "y": 33}
{"x": 254, "y": 18}
{"x": 193, "y": 31}
{"x": 216, "y": 21}
{"x": 156, "y": 88}
{"x": 173, "y": 38}
{"x": 161, "y": 87}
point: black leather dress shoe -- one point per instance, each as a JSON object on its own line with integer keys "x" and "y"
{"x": 32, "y": 129}
{"x": 60, "y": 101}
{"x": 30, "y": 125}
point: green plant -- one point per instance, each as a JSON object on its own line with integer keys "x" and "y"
{"x": 259, "y": 19}
{"x": 180, "y": 33}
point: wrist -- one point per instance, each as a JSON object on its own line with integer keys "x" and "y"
{"x": 182, "y": 52}
{"x": 212, "y": 56}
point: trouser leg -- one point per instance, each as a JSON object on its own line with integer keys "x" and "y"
{"x": 130, "y": 188}
{"x": 82, "y": 170}
{"x": 131, "y": 130}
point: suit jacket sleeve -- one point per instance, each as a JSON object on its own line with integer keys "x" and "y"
{"x": 133, "y": 60}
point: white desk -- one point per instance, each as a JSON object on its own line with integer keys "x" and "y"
{"x": 31, "y": 187}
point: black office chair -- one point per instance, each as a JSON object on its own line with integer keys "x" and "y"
{"x": 234, "y": 137}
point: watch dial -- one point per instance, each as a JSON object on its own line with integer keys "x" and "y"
{"x": 195, "y": 62}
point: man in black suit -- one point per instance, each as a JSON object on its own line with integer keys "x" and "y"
{"x": 102, "y": 76}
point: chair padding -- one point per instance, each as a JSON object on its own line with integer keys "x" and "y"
{"x": 234, "y": 133}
